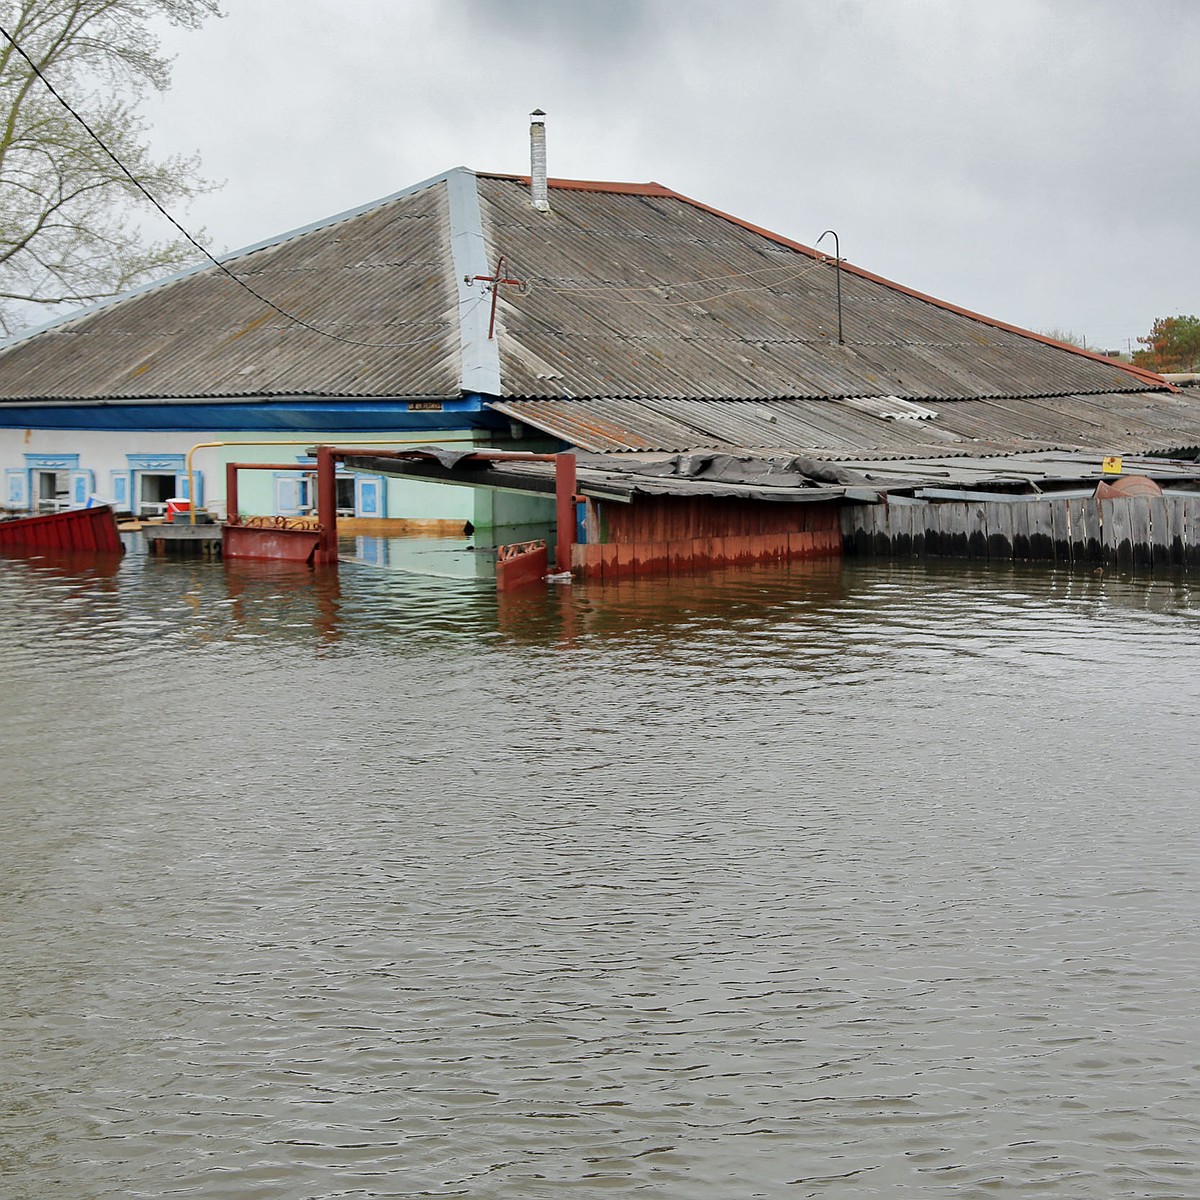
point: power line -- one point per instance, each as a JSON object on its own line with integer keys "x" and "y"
{"x": 631, "y": 292}
{"x": 189, "y": 238}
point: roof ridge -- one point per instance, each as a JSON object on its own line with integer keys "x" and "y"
{"x": 592, "y": 185}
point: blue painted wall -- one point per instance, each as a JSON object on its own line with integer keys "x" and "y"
{"x": 265, "y": 416}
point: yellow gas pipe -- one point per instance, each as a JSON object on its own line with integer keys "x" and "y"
{"x": 303, "y": 442}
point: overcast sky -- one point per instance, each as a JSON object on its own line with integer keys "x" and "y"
{"x": 1033, "y": 160}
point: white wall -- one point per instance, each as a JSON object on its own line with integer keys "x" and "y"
{"x": 104, "y": 453}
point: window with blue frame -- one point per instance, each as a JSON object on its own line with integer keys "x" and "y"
{"x": 352, "y": 500}
{"x": 295, "y": 493}
{"x": 152, "y": 480}
{"x": 47, "y": 483}
{"x": 370, "y": 496}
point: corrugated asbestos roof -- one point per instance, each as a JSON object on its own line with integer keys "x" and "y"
{"x": 384, "y": 275}
{"x": 644, "y": 293}
{"x": 646, "y": 321}
{"x": 1119, "y": 422}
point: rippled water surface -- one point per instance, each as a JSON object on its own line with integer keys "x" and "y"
{"x": 875, "y": 880}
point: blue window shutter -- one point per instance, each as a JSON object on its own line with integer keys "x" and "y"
{"x": 16, "y": 488}
{"x": 120, "y": 489}
{"x": 289, "y": 495}
{"x": 80, "y": 488}
{"x": 368, "y": 496}
{"x": 181, "y": 486}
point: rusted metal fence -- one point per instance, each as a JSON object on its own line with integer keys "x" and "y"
{"x": 616, "y": 560}
{"x": 271, "y": 538}
{"x": 79, "y": 530}
{"x": 1135, "y": 531}
{"x": 520, "y": 564}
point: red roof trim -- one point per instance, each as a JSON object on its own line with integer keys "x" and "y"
{"x": 1137, "y": 372}
{"x": 657, "y": 189}
{"x": 599, "y": 185}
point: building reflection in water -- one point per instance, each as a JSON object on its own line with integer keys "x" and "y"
{"x": 309, "y": 597}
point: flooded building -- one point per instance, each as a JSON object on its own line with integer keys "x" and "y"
{"x": 627, "y": 322}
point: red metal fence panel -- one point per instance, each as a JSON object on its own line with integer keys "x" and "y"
{"x": 520, "y": 564}
{"x": 85, "y": 530}
{"x": 278, "y": 540}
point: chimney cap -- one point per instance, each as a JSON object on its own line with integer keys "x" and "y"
{"x": 537, "y": 116}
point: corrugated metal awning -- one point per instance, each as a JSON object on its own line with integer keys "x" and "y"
{"x": 842, "y": 429}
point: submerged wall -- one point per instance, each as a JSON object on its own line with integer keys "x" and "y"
{"x": 674, "y": 534}
{"x": 511, "y": 516}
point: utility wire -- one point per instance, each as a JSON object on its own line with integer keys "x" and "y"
{"x": 665, "y": 287}
{"x": 605, "y": 288}
{"x": 190, "y": 239}
{"x": 659, "y": 287}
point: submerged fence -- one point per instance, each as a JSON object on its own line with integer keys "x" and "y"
{"x": 1138, "y": 531}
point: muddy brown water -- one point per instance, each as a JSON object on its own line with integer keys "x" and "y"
{"x": 837, "y": 881}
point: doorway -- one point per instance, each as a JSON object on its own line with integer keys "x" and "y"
{"x": 51, "y": 490}
{"x": 155, "y": 488}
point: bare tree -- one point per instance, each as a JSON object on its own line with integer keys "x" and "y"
{"x": 68, "y": 231}
{"x": 1067, "y": 336}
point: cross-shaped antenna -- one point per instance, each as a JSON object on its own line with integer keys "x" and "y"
{"x": 495, "y": 280}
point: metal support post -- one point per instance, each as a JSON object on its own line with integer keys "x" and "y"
{"x": 564, "y": 507}
{"x": 327, "y": 546}
{"x": 231, "y": 494}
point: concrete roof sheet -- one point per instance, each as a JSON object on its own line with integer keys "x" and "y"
{"x": 624, "y": 292}
{"x": 842, "y": 429}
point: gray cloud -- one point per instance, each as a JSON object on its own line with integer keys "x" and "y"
{"x": 608, "y": 28}
{"x": 1036, "y": 162}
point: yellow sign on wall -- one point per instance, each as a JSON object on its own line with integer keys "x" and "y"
{"x": 1111, "y": 465}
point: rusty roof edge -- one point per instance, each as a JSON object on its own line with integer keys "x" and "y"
{"x": 504, "y": 407}
{"x": 593, "y": 185}
{"x": 620, "y": 437}
{"x": 825, "y": 397}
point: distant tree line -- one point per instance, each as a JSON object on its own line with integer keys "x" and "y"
{"x": 1171, "y": 346}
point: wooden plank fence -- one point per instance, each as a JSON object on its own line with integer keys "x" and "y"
{"x": 1131, "y": 531}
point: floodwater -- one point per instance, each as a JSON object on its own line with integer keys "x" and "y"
{"x": 874, "y": 880}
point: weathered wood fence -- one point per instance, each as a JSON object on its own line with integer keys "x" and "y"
{"x": 1134, "y": 531}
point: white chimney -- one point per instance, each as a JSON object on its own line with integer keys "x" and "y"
{"x": 539, "y": 189}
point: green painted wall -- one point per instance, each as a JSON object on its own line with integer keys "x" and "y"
{"x": 409, "y": 499}
{"x": 429, "y": 501}
{"x": 505, "y": 513}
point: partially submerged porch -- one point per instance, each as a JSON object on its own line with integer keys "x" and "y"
{"x": 617, "y": 516}
{"x": 610, "y": 522}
